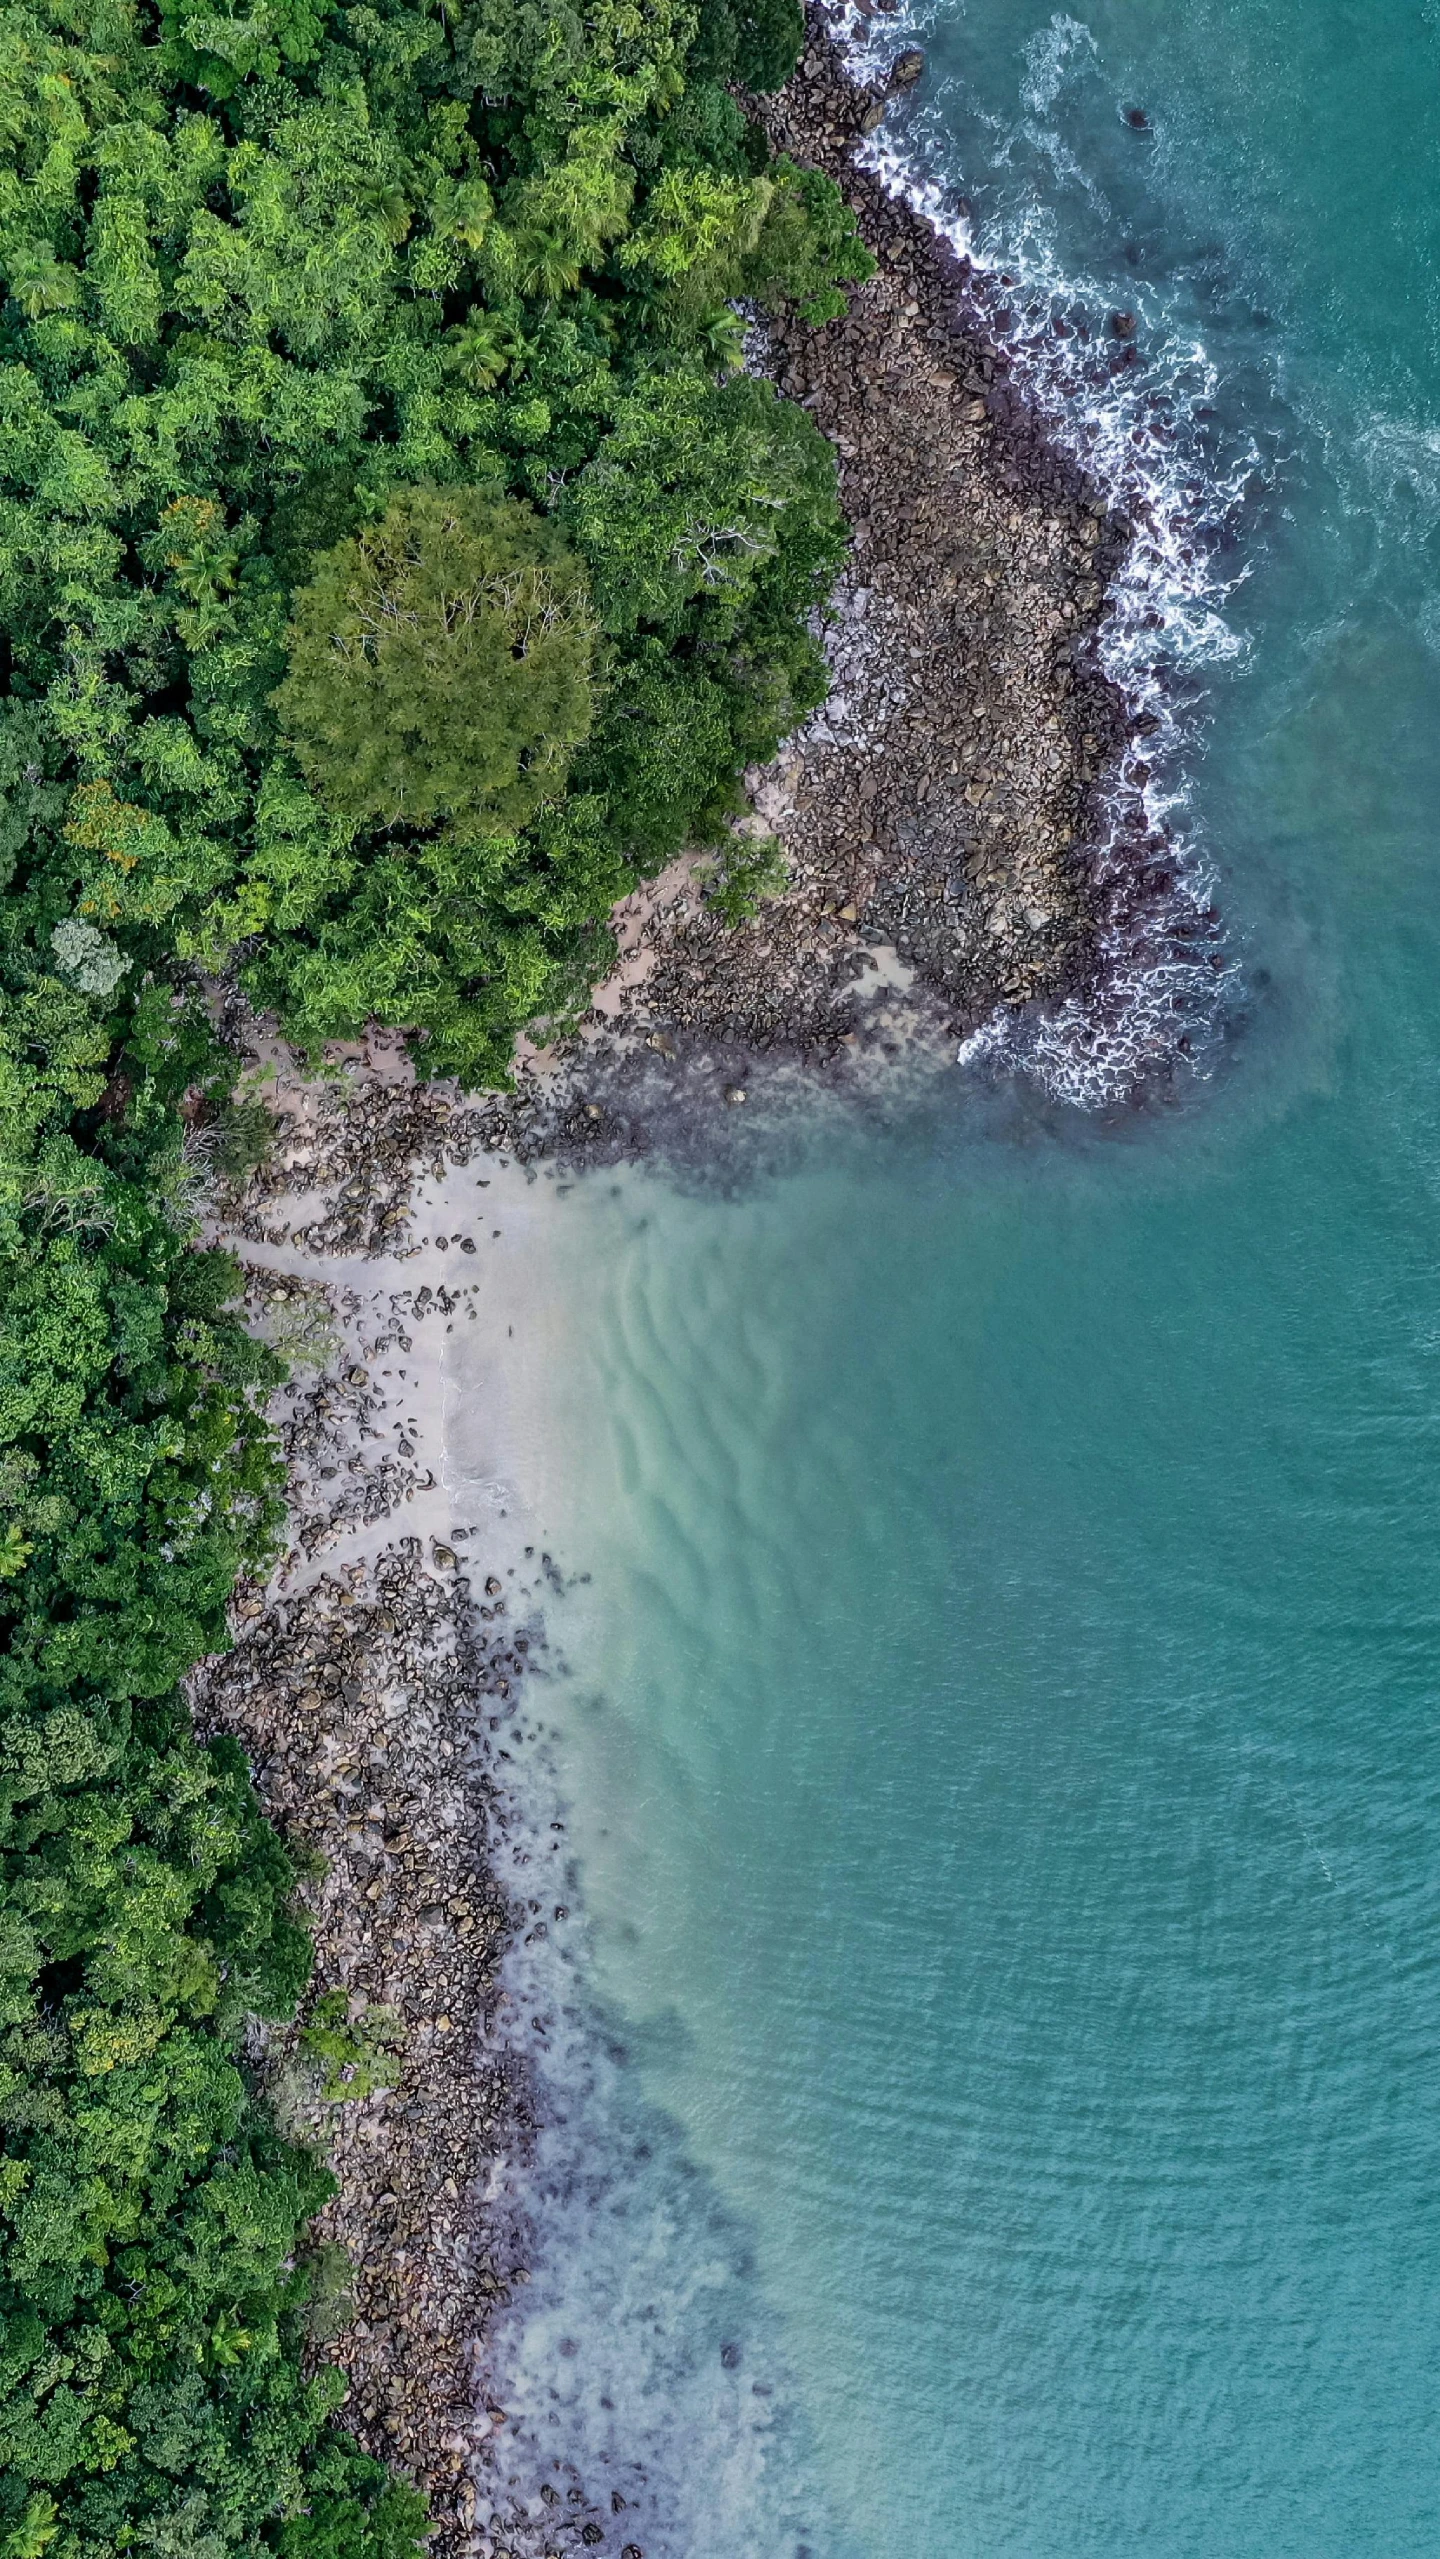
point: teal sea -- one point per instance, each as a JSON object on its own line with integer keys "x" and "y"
{"x": 998, "y": 2079}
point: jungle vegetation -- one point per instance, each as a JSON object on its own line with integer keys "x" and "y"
{"x": 396, "y": 564}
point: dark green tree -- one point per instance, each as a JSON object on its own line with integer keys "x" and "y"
{"x": 756, "y": 42}
{"x": 441, "y": 665}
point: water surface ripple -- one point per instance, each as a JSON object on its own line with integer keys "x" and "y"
{"x": 1002, "y": 1758}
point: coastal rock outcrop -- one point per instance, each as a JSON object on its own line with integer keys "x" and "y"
{"x": 936, "y": 812}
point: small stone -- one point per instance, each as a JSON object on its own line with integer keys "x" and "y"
{"x": 445, "y": 1557}
{"x": 908, "y": 68}
{"x": 734, "y": 1092}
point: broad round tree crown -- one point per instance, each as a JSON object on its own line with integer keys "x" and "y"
{"x": 441, "y": 664}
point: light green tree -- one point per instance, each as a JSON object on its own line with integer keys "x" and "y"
{"x": 697, "y": 232}
{"x": 562, "y": 220}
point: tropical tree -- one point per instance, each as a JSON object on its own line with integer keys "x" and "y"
{"x": 694, "y": 495}
{"x": 441, "y": 664}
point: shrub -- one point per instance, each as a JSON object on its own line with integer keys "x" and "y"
{"x": 751, "y": 869}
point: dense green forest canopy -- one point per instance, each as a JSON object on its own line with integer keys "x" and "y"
{"x": 395, "y": 565}
{"x": 268, "y": 275}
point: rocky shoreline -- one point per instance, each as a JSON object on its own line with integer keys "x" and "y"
{"x": 360, "y": 1706}
{"x": 938, "y": 814}
{"x": 379, "y": 1686}
{"x": 937, "y": 817}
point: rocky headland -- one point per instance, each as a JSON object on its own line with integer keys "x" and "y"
{"x": 938, "y": 814}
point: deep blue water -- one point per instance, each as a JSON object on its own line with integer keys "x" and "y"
{"x": 1002, "y": 1759}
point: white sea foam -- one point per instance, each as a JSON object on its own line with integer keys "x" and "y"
{"x": 1166, "y": 980}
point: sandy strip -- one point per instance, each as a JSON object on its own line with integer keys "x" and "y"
{"x": 375, "y": 1683}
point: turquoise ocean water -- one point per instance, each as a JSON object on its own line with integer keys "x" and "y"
{"x": 1001, "y": 1763}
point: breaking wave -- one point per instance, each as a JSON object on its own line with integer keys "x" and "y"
{"x": 1140, "y": 426}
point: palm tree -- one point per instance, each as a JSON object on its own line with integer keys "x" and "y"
{"x": 482, "y": 348}
{"x": 550, "y": 263}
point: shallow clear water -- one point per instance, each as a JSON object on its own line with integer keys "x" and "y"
{"x": 1002, "y": 1760}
